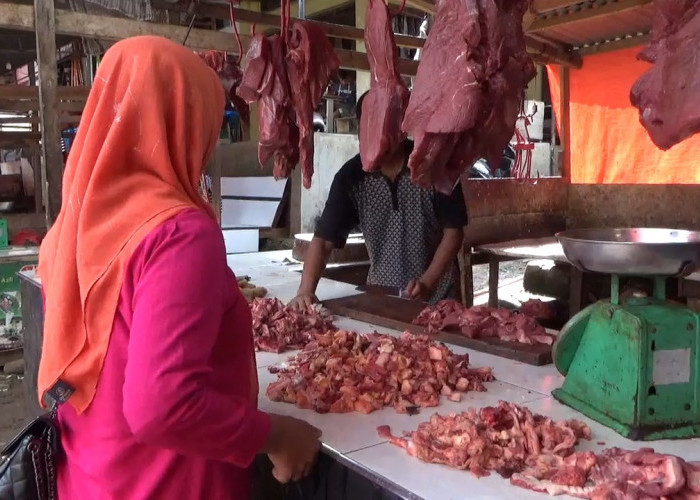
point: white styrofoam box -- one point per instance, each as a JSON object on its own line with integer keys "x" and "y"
{"x": 256, "y": 213}
{"x": 536, "y": 127}
{"x": 252, "y": 187}
{"x": 242, "y": 240}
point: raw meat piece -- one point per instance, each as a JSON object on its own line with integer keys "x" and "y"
{"x": 279, "y": 328}
{"x": 480, "y": 322}
{"x": 307, "y": 62}
{"x": 613, "y": 474}
{"x": 342, "y": 371}
{"x": 505, "y": 439}
{"x": 279, "y": 133}
{"x": 468, "y": 88}
{"x": 265, "y": 81}
{"x": 311, "y": 63}
{"x": 537, "y": 309}
{"x": 386, "y": 101}
{"x": 230, "y": 75}
{"x": 668, "y": 95}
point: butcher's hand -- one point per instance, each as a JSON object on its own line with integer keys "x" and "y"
{"x": 303, "y": 300}
{"x": 418, "y": 290}
{"x": 292, "y": 448}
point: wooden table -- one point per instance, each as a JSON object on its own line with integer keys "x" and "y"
{"x": 535, "y": 248}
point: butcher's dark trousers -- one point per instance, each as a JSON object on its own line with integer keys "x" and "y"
{"x": 329, "y": 480}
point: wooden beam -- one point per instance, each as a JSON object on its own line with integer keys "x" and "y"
{"x": 540, "y": 6}
{"x": 358, "y": 60}
{"x": 21, "y": 17}
{"x": 52, "y": 157}
{"x": 622, "y": 43}
{"x": 266, "y": 19}
{"x": 28, "y": 105}
{"x": 64, "y": 93}
{"x": 565, "y": 121}
{"x": 593, "y": 11}
{"x": 112, "y": 28}
{"x": 18, "y": 138}
{"x": 67, "y": 119}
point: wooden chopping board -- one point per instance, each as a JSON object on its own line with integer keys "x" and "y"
{"x": 398, "y": 314}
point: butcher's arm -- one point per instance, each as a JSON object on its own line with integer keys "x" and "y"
{"x": 339, "y": 217}
{"x": 447, "y": 250}
{"x": 168, "y": 401}
{"x": 451, "y": 212}
{"x": 314, "y": 265}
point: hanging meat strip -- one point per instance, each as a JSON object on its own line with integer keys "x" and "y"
{"x": 385, "y": 104}
{"x": 311, "y": 63}
{"x": 304, "y": 62}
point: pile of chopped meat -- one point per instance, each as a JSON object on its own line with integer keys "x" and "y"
{"x": 505, "y": 439}
{"x": 613, "y": 474}
{"x": 287, "y": 76}
{"x": 279, "y": 328}
{"x": 482, "y": 322}
{"x": 468, "y": 89}
{"x": 537, "y": 309}
{"x": 668, "y": 95}
{"x": 230, "y": 74}
{"x": 343, "y": 371}
{"x": 384, "y": 105}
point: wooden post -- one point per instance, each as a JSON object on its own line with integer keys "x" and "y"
{"x": 52, "y": 158}
{"x": 565, "y": 123}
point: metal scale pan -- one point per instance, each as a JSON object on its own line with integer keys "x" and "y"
{"x": 633, "y": 251}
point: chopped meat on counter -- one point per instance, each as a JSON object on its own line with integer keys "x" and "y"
{"x": 279, "y": 328}
{"x": 385, "y": 104}
{"x": 506, "y": 439}
{"x": 614, "y": 474}
{"x": 537, "y": 309}
{"x": 343, "y": 371}
{"x": 481, "y": 321}
{"x": 468, "y": 89}
{"x": 668, "y": 95}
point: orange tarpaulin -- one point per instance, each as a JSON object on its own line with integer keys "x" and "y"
{"x": 608, "y": 144}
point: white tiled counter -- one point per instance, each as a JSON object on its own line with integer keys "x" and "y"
{"x": 352, "y": 438}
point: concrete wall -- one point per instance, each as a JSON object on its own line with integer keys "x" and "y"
{"x": 331, "y": 151}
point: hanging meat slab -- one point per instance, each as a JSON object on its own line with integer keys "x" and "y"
{"x": 311, "y": 63}
{"x": 384, "y": 106}
{"x": 306, "y": 63}
{"x": 668, "y": 95}
{"x": 230, "y": 75}
{"x": 468, "y": 89}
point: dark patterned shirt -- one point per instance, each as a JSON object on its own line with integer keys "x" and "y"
{"x": 402, "y": 224}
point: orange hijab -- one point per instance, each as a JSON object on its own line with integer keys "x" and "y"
{"x": 149, "y": 126}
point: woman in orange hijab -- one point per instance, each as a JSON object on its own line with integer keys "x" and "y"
{"x": 144, "y": 319}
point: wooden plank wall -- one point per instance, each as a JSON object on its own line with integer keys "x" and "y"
{"x": 508, "y": 209}
{"x": 622, "y": 205}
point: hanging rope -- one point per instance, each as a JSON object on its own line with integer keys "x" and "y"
{"x": 235, "y": 32}
{"x": 522, "y": 168}
{"x": 401, "y": 8}
{"x": 285, "y": 15}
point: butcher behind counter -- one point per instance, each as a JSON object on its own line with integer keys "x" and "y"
{"x": 412, "y": 234}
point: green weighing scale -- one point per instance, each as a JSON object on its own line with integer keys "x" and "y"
{"x": 633, "y": 364}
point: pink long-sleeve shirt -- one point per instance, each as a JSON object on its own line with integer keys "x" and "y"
{"x": 175, "y": 413}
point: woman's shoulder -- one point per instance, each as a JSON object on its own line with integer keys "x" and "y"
{"x": 191, "y": 230}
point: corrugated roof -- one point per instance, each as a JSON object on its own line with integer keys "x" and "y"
{"x": 600, "y": 28}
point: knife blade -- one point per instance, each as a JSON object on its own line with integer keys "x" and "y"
{"x": 384, "y": 290}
